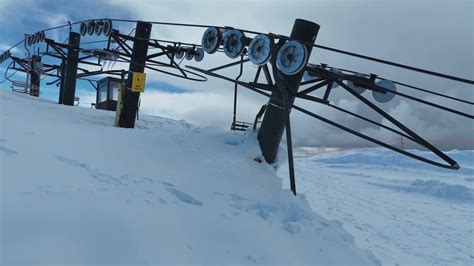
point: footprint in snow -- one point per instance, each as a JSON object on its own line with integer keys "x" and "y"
{"x": 25, "y": 193}
{"x": 94, "y": 173}
{"x": 290, "y": 216}
{"x": 109, "y": 179}
{"x": 167, "y": 184}
{"x": 182, "y": 196}
{"x": 7, "y": 151}
{"x": 251, "y": 259}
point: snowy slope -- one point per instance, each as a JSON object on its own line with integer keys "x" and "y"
{"x": 74, "y": 189}
{"x": 403, "y": 211}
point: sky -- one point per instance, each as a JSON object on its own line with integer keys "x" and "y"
{"x": 436, "y": 35}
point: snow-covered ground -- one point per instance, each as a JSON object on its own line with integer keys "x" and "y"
{"x": 403, "y": 211}
{"x": 75, "y": 190}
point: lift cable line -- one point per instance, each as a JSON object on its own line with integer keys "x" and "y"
{"x": 283, "y": 73}
{"x": 418, "y": 88}
{"x": 383, "y": 61}
{"x": 386, "y": 62}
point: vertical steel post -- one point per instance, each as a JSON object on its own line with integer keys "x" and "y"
{"x": 35, "y": 77}
{"x": 274, "y": 122}
{"x": 70, "y": 76}
{"x": 61, "y": 84}
{"x": 137, "y": 64}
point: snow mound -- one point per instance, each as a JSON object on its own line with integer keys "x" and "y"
{"x": 434, "y": 188}
{"x": 404, "y": 211}
{"x": 442, "y": 190}
{"x": 76, "y": 190}
{"x": 376, "y": 157}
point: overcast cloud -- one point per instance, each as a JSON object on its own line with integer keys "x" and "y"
{"x": 437, "y": 35}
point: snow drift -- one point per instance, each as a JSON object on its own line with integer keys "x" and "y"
{"x": 74, "y": 189}
{"x": 404, "y": 211}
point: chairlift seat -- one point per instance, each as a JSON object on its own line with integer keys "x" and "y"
{"x": 240, "y": 126}
{"x": 20, "y": 87}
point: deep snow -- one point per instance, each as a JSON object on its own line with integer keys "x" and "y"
{"x": 404, "y": 211}
{"x": 74, "y": 189}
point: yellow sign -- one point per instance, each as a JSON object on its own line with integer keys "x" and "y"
{"x": 138, "y": 82}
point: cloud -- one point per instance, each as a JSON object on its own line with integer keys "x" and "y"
{"x": 395, "y": 30}
{"x": 202, "y": 108}
{"x": 445, "y": 130}
{"x": 408, "y": 32}
{"x": 86, "y": 97}
{"x": 4, "y": 47}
